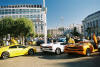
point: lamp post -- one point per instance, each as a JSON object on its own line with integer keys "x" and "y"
{"x": 45, "y": 22}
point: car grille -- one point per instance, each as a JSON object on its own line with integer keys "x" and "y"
{"x": 72, "y": 47}
{"x": 45, "y": 47}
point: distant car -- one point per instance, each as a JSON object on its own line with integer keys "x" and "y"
{"x": 16, "y": 50}
{"x": 39, "y": 42}
{"x": 57, "y": 48}
{"x": 62, "y": 40}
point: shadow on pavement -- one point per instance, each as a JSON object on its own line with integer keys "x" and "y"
{"x": 93, "y": 62}
{"x": 53, "y": 56}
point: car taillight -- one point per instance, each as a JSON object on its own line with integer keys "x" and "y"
{"x": 65, "y": 47}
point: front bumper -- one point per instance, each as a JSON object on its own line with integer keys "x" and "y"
{"x": 47, "y": 49}
{"x": 82, "y": 52}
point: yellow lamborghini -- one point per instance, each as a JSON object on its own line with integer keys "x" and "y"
{"x": 16, "y": 50}
{"x": 83, "y": 48}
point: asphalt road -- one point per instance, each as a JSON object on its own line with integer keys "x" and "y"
{"x": 52, "y": 60}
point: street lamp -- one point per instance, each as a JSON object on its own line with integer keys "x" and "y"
{"x": 45, "y": 23}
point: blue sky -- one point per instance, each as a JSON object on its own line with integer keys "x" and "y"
{"x": 63, "y": 12}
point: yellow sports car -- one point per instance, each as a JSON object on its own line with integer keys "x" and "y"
{"x": 82, "y": 47}
{"x": 16, "y": 50}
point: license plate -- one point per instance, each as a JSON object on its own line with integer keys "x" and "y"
{"x": 45, "y": 48}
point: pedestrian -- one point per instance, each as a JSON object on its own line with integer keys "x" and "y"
{"x": 71, "y": 40}
{"x": 7, "y": 43}
{"x": 76, "y": 39}
{"x": 67, "y": 38}
{"x": 98, "y": 42}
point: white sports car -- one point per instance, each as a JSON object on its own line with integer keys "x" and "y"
{"x": 57, "y": 48}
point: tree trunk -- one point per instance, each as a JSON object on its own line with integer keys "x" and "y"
{"x": 23, "y": 40}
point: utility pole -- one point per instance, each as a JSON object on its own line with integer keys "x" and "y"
{"x": 45, "y": 22}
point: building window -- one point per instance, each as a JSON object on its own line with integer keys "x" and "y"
{"x": 41, "y": 27}
{"x": 96, "y": 23}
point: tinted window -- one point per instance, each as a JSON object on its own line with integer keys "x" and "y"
{"x": 13, "y": 47}
{"x": 21, "y": 46}
{"x": 63, "y": 43}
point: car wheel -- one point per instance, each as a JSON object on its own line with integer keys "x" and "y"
{"x": 88, "y": 52}
{"x": 5, "y": 55}
{"x": 31, "y": 52}
{"x": 58, "y": 51}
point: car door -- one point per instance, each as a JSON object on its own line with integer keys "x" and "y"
{"x": 21, "y": 50}
{"x": 13, "y": 51}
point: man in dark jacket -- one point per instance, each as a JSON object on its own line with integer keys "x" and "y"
{"x": 67, "y": 38}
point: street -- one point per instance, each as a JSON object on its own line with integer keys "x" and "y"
{"x": 52, "y": 60}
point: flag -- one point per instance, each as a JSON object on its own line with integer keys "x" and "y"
{"x": 94, "y": 38}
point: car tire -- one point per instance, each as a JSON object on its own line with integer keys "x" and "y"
{"x": 31, "y": 52}
{"x": 58, "y": 51}
{"x": 88, "y": 52}
{"x": 5, "y": 55}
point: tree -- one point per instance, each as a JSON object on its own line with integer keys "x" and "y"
{"x": 41, "y": 35}
{"x": 6, "y": 25}
{"x": 75, "y": 32}
{"x": 49, "y": 35}
{"x": 24, "y": 26}
{"x": 16, "y": 27}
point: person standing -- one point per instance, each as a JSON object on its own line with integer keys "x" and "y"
{"x": 67, "y": 38}
{"x": 7, "y": 43}
{"x": 98, "y": 41}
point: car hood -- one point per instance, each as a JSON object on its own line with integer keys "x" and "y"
{"x": 49, "y": 44}
{"x": 75, "y": 45}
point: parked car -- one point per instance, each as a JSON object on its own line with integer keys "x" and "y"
{"x": 62, "y": 40}
{"x": 82, "y": 47}
{"x": 16, "y": 50}
{"x": 57, "y": 47}
{"x": 39, "y": 42}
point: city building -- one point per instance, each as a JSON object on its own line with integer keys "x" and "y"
{"x": 70, "y": 28}
{"x": 91, "y": 24}
{"x": 56, "y": 31}
{"x": 34, "y": 12}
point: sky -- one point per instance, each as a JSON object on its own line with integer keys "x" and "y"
{"x": 63, "y": 12}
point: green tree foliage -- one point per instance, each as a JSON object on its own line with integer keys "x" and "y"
{"x": 20, "y": 26}
{"x": 24, "y": 27}
{"x": 49, "y": 35}
{"x": 74, "y": 32}
{"x": 41, "y": 35}
{"x": 6, "y": 25}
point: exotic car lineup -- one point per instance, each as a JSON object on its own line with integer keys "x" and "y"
{"x": 82, "y": 47}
